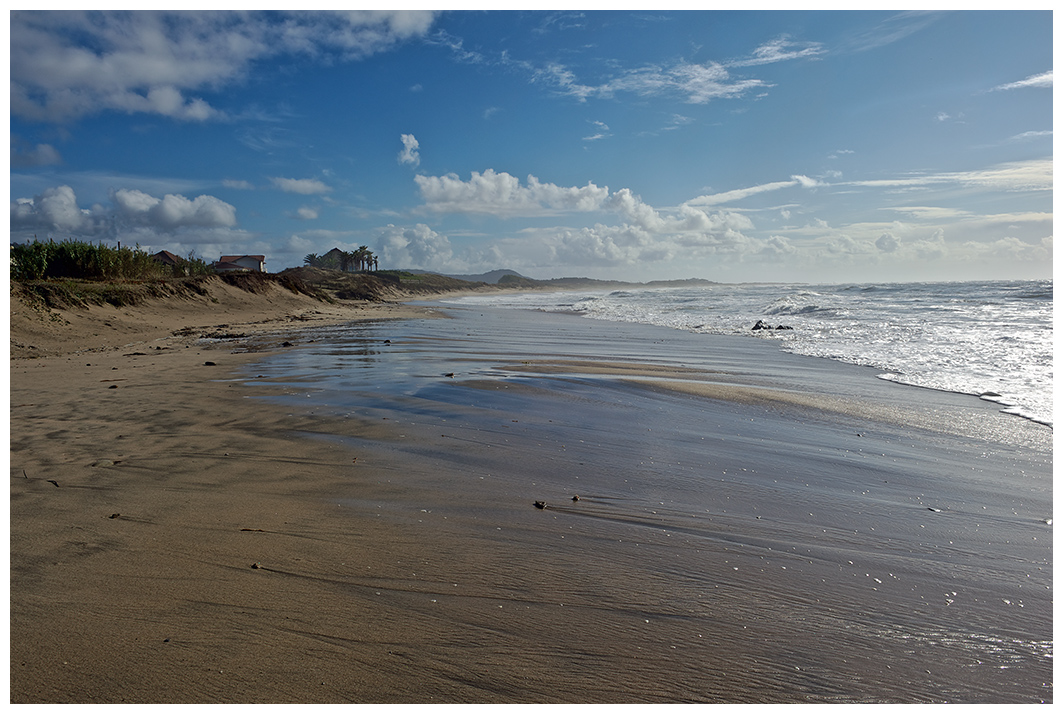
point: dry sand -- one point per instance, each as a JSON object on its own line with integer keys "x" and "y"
{"x": 143, "y": 491}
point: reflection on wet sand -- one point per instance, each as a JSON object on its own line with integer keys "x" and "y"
{"x": 751, "y": 526}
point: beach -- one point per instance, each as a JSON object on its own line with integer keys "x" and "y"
{"x": 436, "y": 504}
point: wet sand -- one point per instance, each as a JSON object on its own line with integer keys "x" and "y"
{"x": 351, "y": 520}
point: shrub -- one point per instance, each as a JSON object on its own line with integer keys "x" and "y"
{"x": 76, "y": 259}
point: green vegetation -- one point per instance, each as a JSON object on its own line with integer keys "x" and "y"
{"x": 71, "y": 273}
{"x": 84, "y": 261}
{"x": 347, "y": 261}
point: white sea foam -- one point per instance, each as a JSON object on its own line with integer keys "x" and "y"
{"x": 969, "y": 337}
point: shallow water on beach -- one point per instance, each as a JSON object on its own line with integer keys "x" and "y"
{"x": 751, "y": 525}
{"x": 989, "y": 338}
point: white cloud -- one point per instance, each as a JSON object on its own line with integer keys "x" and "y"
{"x": 929, "y": 213}
{"x": 301, "y": 186}
{"x": 238, "y": 184}
{"x": 1033, "y": 175}
{"x": 603, "y": 245}
{"x": 56, "y": 209}
{"x": 501, "y": 194}
{"x": 65, "y": 65}
{"x": 306, "y": 213}
{"x": 417, "y": 247}
{"x": 172, "y": 211}
{"x": 740, "y": 193}
{"x": 642, "y": 234}
{"x": 135, "y": 217}
{"x": 892, "y": 29}
{"x": 1027, "y": 135}
{"x": 602, "y": 131}
{"x": 1043, "y": 80}
{"x": 780, "y": 50}
{"x": 694, "y": 83}
{"x": 887, "y": 243}
{"x": 805, "y": 181}
{"x": 779, "y": 246}
{"x": 409, "y": 154}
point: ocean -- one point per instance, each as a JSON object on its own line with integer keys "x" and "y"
{"x": 990, "y": 339}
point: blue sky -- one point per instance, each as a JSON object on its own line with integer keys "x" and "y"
{"x": 811, "y": 146}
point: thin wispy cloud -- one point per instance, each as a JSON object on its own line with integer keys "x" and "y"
{"x": 691, "y": 83}
{"x": 893, "y": 29}
{"x": 741, "y": 193}
{"x": 301, "y": 186}
{"x": 782, "y": 49}
{"x": 1029, "y": 135}
{"x": 1033, "y": 175}
{"x": 1042, "y": 80}
{"x": 602, "y": 131}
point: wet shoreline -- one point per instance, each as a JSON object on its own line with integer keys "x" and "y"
{"x": 723, "y": 548}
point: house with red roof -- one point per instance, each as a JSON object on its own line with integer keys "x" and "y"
{"x": 250, "y": 263}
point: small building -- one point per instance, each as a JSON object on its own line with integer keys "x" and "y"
{"x": 167, "y": 258}
{"x": 227, "y": 263}
{"x": 338, "y": 258}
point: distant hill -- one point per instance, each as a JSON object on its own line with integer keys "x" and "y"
{"x": 512, "y": 279}
{"x": 491, "y": 278}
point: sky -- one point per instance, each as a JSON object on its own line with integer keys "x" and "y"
{"x": 777, "y": 145}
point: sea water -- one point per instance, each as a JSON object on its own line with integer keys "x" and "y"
{"x": 991, "y": 339}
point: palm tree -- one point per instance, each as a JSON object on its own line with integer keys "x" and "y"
{"x": 311, "y": 259}
{"x": 361, "y": 255}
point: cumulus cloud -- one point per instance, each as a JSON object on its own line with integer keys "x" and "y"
{"x": 416, "y": 247}
{"x": 409, "y": 154}
{"x": 780, "y": 246}
{"x": 501, "y": 194}
{"x": 301, "y": 186}
{"x": 134, "y": 216}
{"x": 65, "y": 65}
{"x": 641, "y": 234}
{"x": 604, "y": 245}
{"x": 173, "y": 211}
{"x": 887, "y": 243}
{"x": 56, "y": 209}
